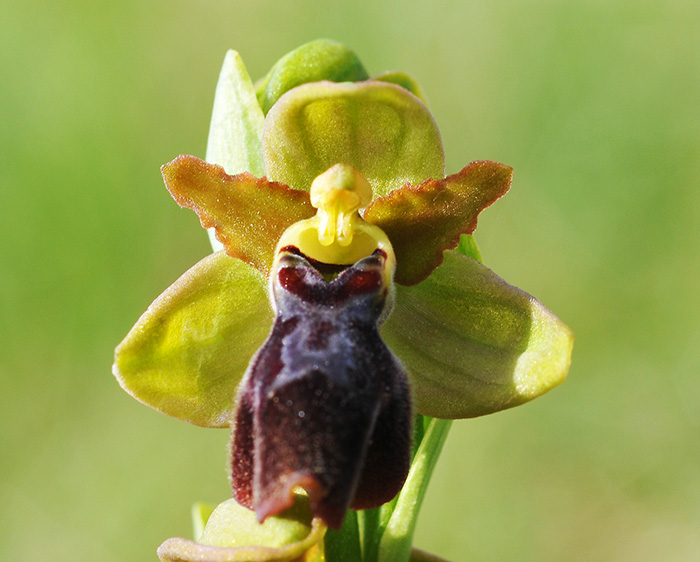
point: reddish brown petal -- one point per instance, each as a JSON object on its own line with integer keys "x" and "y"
{"x": 249, "y": 214}
{"x": 425, "y": 220}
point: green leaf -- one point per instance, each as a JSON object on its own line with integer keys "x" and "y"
{"x": 187, "y": 353}
{"x": 474, "y": 345}
{"x": 382, "y": 130}
{"x": 233, "y": 534}
{"x": 249, "y": 214}
{"x": 318, "y": 60}
{"x": 422, "y": 221}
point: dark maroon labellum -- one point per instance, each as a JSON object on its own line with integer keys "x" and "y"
{"x": 324, "y": 405}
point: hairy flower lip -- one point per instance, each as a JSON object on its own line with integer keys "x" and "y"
{"x": 324, "y": 404}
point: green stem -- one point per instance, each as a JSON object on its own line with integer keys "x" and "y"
{"x": 369, "y": 520}
{"x": 396, "y": 540}
{"x": 344, "y": 544}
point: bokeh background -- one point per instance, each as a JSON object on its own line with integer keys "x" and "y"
{"x": 596, "y": 104}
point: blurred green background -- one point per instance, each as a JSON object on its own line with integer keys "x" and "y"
{"x": 596, "y": 106}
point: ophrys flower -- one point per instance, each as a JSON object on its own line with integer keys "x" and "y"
{"x": 470, "y": 343}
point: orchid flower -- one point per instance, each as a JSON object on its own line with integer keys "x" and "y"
{"x": 347, "y": 299}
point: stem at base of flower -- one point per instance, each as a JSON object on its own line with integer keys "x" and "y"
{"x": 396, "y": 540}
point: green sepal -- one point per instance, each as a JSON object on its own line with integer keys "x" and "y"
{"x": 422, "y": 221}
{"x": 318, "y": 60}
{"x": 249, "y": 214}
{"x": 188, "y": 352}
{"x": 232, "y": 534}
{"x": 381, "y": 129}
{"x": 473, "y": 344}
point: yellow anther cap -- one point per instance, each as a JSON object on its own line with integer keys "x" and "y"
{"x": 338, "y": 194}
{"x": 338, "y": 234}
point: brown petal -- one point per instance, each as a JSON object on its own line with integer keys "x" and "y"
{"x": 249, "y": 214}
{"x": 425, "y": 220}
